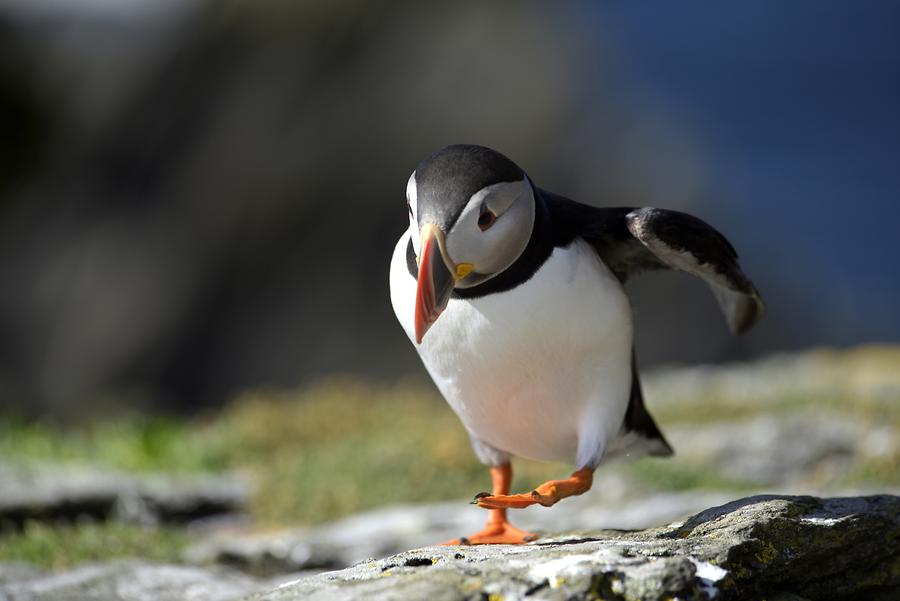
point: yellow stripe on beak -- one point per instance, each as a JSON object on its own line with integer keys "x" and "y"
{"x": 463, "y": 269}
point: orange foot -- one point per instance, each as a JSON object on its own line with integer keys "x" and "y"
{"x": 498, "y": 530}
{"x": 546, "y": 494}
{"x": 501, "y": 533}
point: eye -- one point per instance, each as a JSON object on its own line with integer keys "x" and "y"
{"x": 486, "y": 219}
{"x": 409, "y": 207}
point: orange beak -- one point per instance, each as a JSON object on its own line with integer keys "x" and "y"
{"x": 436, "y": 279}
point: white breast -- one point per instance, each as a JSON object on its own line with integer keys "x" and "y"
{"x": 542, "y": 371}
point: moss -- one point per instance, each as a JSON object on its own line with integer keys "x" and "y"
{"x": 767, "y": 554}
{"x": 607, "y": 587}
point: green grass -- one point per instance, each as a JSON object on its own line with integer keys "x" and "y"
{"x": 132, "y": 443}
{"x": 63, "y": 545}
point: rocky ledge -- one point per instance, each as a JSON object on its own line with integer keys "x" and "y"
{"x": 754, "y": 548}
{"x": 763, "y": 547}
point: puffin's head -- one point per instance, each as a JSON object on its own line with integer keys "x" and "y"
{"x": 471, "y": 214}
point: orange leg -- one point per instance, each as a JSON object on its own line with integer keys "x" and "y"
{"x": 546, "y": 494}
{"x": 498, "y": 530}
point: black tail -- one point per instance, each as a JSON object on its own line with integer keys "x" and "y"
{"x": 640, "y": 422}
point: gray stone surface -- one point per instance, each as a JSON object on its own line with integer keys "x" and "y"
{"x": 11, "y": 573}
{"x": 52, "y": 492}
{"x": 753, "y": 548}
{"x": 131, "y": 581}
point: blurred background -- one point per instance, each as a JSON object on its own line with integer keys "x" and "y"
{"x": 199, "y": 199}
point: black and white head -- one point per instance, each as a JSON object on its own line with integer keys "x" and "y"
{"x": 471, "y": 214}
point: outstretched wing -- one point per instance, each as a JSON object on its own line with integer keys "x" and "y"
{"x": 631, "y": 240}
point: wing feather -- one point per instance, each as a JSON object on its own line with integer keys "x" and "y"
{"x": 686, "y": 243}
{"x": 632, "y": 240}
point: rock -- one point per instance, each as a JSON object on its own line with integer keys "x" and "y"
{"x": 17, "y": 572}
{"x": 783, "y": 547}
{"x": 57, "y": 492}
{"x": 131, "y": 581}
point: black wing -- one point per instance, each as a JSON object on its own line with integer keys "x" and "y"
{"x": 631, "y": 240}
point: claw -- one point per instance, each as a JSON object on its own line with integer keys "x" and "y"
{"x": 480, "y": 495}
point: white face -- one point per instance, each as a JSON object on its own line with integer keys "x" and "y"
{"x": 413, "y": 212}
{"x": 491, "y": 232}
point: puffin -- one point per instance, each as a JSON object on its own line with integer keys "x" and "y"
{"x": 514, "y": 298}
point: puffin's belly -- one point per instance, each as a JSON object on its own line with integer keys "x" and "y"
{"x": 525, "y": 368}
